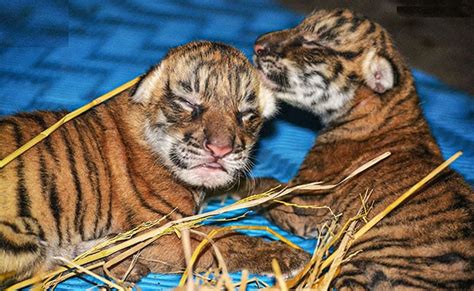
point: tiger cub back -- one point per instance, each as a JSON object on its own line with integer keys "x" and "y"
{"x": 346, "y": 70}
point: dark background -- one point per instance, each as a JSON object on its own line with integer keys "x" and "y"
{"x": 442, "y": 46}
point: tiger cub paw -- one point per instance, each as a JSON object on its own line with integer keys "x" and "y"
{"x": 290, "y": 260}
{"x": 302, "y": 222}
{"x": 138, "y": 271}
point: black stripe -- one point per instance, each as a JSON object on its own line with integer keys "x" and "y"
{"x": 371, "y": 28}
{"x": 230, "y": 78}
{"x": 42, "y": 123}
{"x": 96, "y": 142}
{"x": 138, "y": 194}
{"x": 349, "y": 55}
{"x": 177, "y": 161}
{"x": 251, "y": 98}
{"x": 321, "y": 29}
{"x": 92, "y": 174}
{"x": 328, "y": 35}
{"x": 13, "y": 226}
{"x": 349, "y": 282}
{"x": 107, "y": 168}
{"x": 383, "y": 43}
{"x": 397, "y": 78}
{"x": 109, "y": 214}
{"x": 23, "y": 198}
{"x": 24, "y": 201}
{"x": 196, "y": 76}
{"x": 186, "y": 86}
{"x": 50, "y": 192}
{"x": 77, "y": 183}
{"x": 427, "y": 280}
{"x": 48, "y": 179}
{"x": 405, "y": 283}
{"x": 338, "y": 68}
{"x": 340, "y": 22}
{"x": 12, "y": 247}
{"x": 345, "y": 122}
{"x": 356, "y": 23}
{"x": 40, "y": 231}
{"x": 238, "y": 82}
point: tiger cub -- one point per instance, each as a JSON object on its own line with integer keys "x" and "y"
{"x": 188, "y": 126}
{"x": 346, "y": 70}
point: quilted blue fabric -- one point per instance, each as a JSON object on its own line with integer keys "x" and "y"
{"x": 62, "y": 54}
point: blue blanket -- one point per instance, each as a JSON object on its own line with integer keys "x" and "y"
{"x": 44, "y": 65}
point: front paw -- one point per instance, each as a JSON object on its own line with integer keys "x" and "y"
{"x": 138, "y": 271}
{"x": 291, "y": 261}
{"x": 299, "y": 221}
{"x": 259, "y": 258}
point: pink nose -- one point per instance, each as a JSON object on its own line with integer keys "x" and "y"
{"x": 218, "y": 151}
{"x": 259, "y": 49}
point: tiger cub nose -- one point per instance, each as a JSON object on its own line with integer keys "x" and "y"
{"x": 218, "y": 149}
{"x": 261, "y": 50}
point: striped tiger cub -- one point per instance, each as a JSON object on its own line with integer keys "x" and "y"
{"x": 346, "y": 70}
{"x": 188, "y": 126}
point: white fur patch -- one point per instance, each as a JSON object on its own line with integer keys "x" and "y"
{"x": 309, "y": 94}
{"x": 145, "y": 89}
{"x": 268, "y": 103}
{"x": 378, "y": 72}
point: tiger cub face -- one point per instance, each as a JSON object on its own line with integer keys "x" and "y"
{"x": 203, "y": 108}
{"x": 319, "y": 64}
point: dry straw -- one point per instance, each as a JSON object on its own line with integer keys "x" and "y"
{"x": 133, "y": 241}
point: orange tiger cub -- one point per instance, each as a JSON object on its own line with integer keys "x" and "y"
{"x": 345, "y": 69}
{"x": 187, "y": 127}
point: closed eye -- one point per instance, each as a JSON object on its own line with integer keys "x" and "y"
{"x": 195, "y": 109}
{"x": 186, "y": 104}
{"x": 246, "y": 115}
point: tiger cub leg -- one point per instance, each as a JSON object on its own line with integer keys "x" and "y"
{"x": 238, "y": 251}
{"x": 21, "y": 248}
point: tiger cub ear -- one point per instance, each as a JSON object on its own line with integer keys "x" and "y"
{"x": 267, "y": 102}
{"x": 377, "y": 72}
{"x": 143, "y": 91}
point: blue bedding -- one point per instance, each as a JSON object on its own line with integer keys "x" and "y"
{"x": 44, "y": 65}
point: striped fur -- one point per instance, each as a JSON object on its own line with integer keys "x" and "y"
{"x": 137, "y": 158}
{"x": 345, "y": 69}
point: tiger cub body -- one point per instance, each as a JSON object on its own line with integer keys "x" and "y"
{"x": 345, "y": 69}
{"x": 152, "y": 151}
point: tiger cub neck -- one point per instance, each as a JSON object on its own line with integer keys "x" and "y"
{"x": 371, "y": 114}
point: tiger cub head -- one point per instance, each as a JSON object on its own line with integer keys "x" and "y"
{"x": 203, "y": 107}
{"x": 319, "y": 64}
